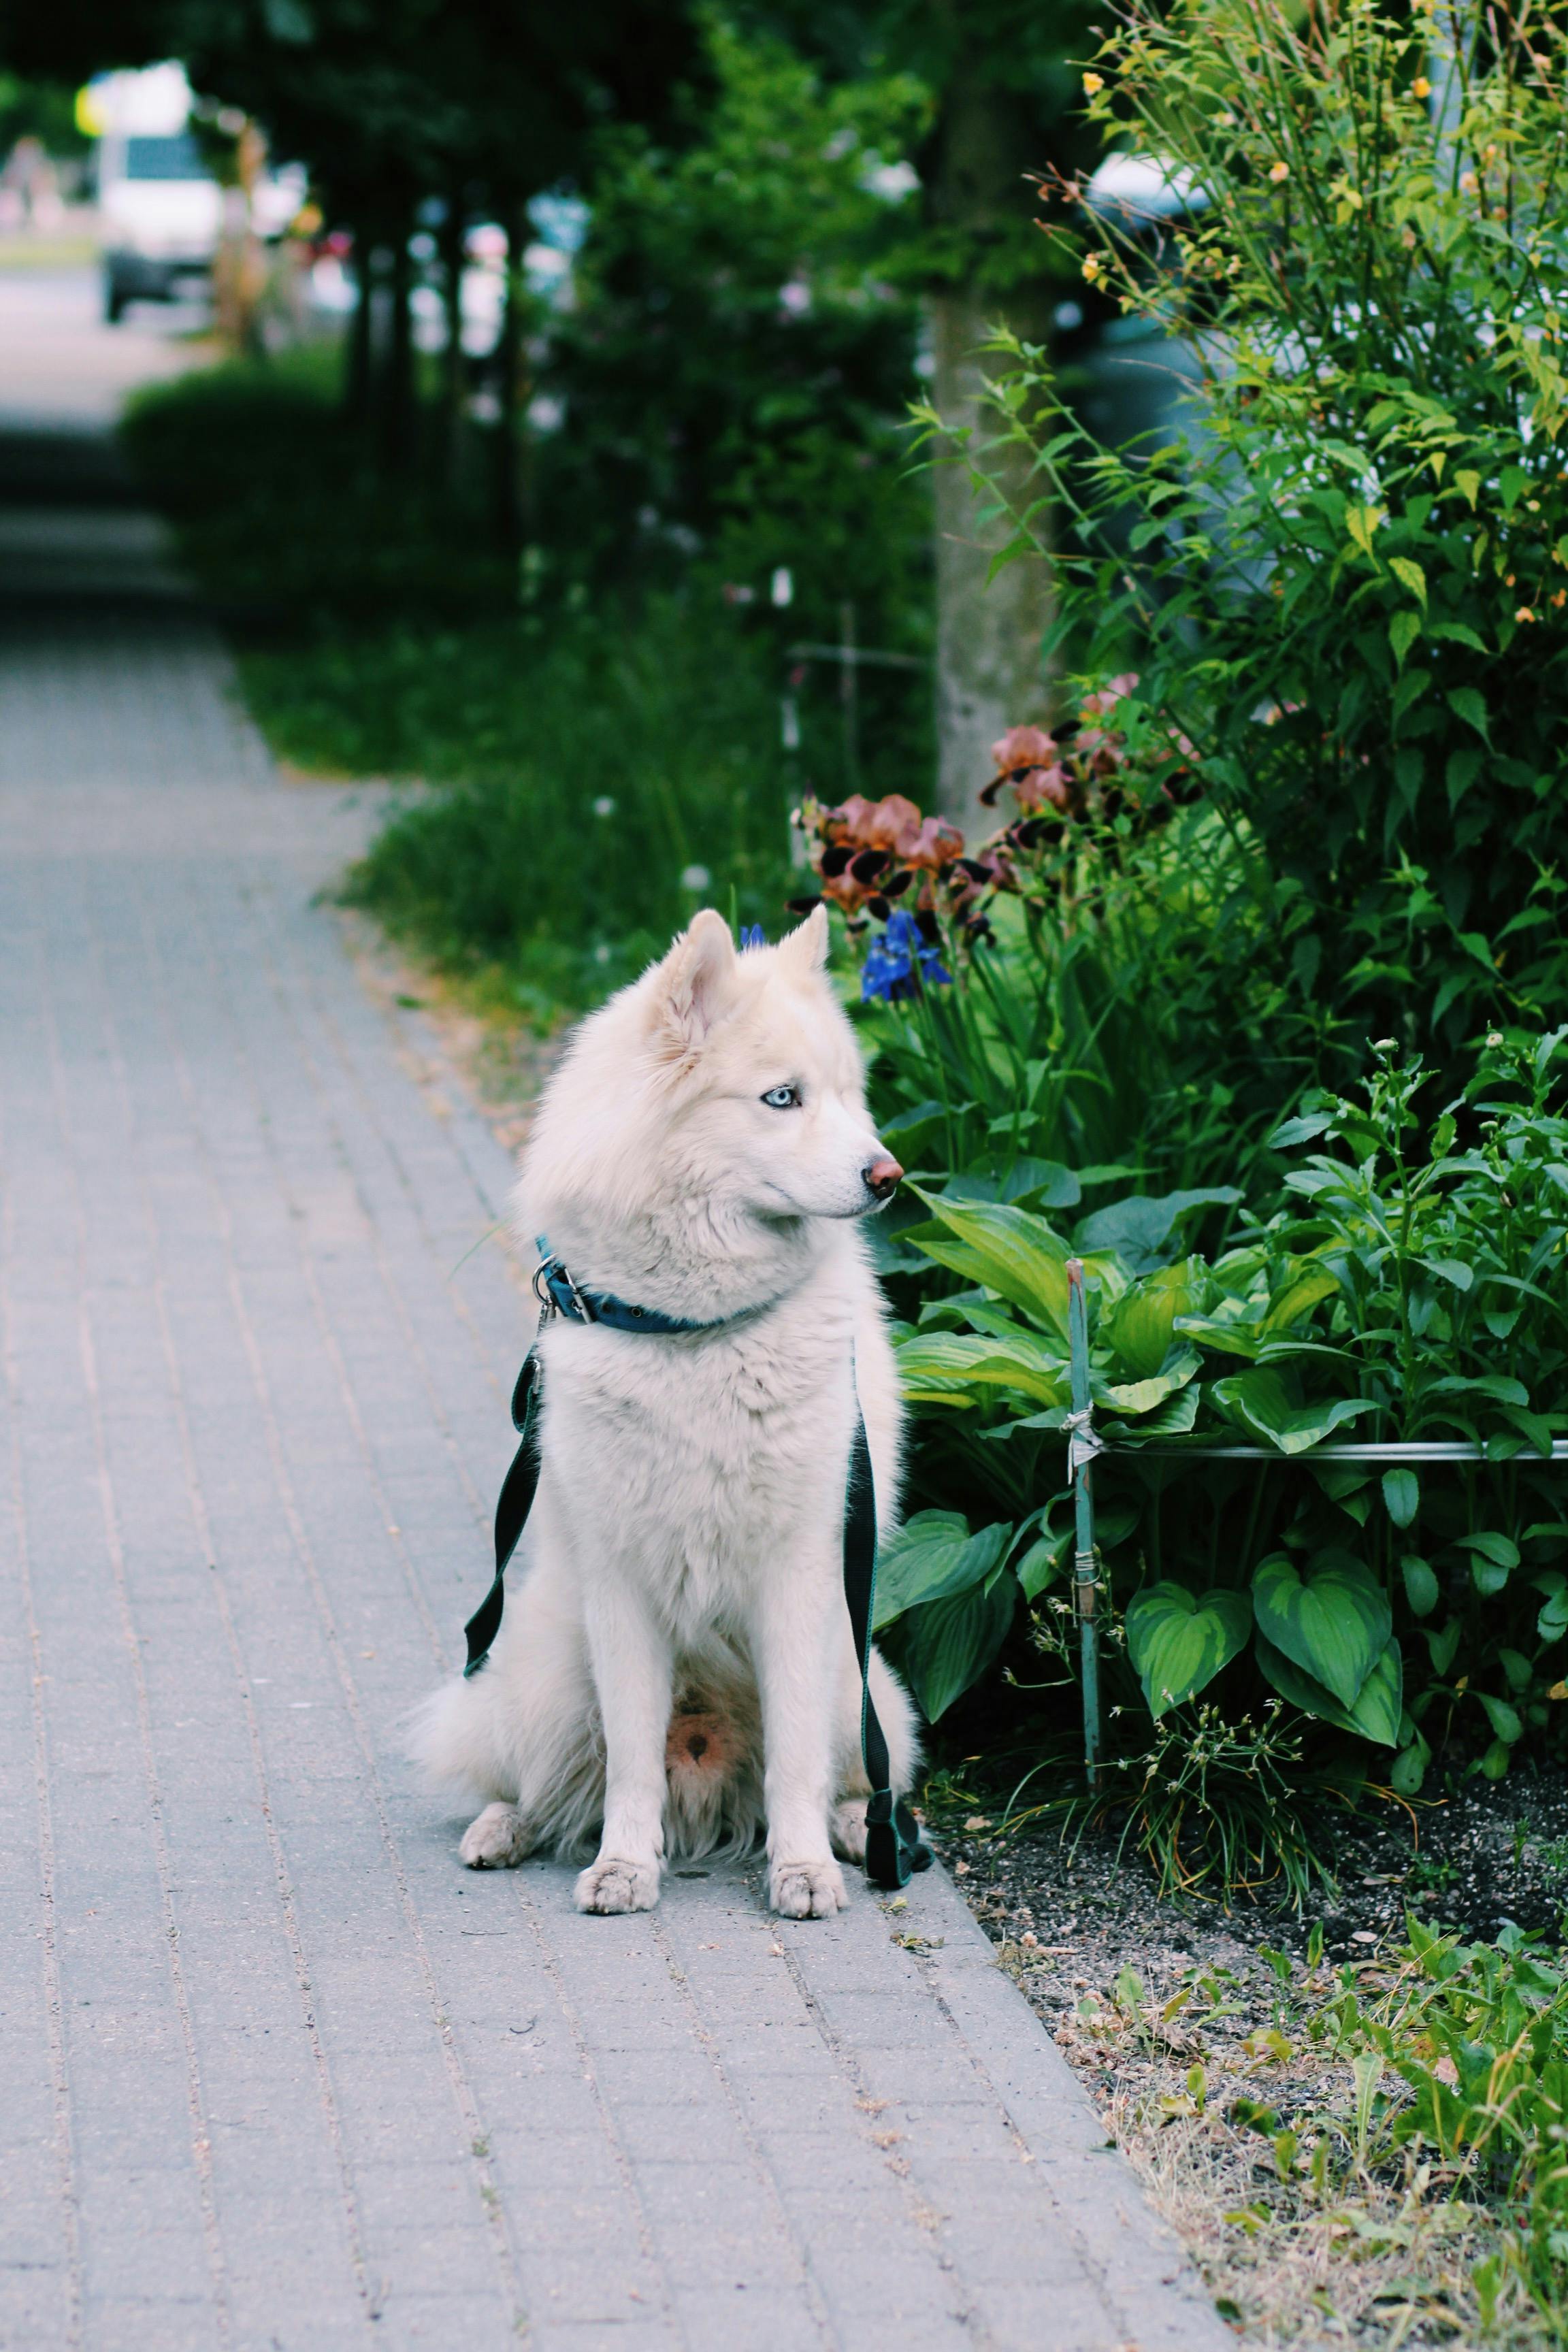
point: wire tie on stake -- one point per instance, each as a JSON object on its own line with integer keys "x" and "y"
{"x": 1084, "y": 1441}
{"x": 1086, "y": 1581}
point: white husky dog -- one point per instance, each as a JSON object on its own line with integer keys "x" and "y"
{"x": 675, "y": 1664}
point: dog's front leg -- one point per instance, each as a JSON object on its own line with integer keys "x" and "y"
{"x": 793, "y": 1621}
{"x": 634, "y": 1674}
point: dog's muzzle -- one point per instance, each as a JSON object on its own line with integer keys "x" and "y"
{"x": 882, "y": 1178}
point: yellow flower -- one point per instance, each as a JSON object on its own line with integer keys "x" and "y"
{"x": 1421, "y": 86}
{"x": 1094, "y": 268}
{"x": 1524, "y": 613}
{"x": 1277, "y": 172}
{"x": 1093, "y": 84}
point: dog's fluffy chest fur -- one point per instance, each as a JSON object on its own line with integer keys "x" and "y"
{"x": 712, "y": 1455}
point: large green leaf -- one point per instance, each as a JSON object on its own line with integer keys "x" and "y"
{"x": 1178, "y": 1641}
{"x": 1008, "y": 1250}
{"x": 1140, "y": 1228}
{"x": 1258, "y": 1401}
{"x": 948, "y": 1644}
{"x": 1174, "y": 1418}
{"x": 1307, "y": 1289}
{"x": 949, "y": 1366}
{"x": 1138, "y": 1328}
{"x": 1379, "y": 1706}
{"x": 1142, "y": 1396}
{"x": 1332, "y": 1622}
{"x": 932, "y": 1554}
{"x": 1229, "y": 1334}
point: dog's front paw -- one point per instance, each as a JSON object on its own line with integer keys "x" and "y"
{"x": 613, "y": 1884}
{"x": 849, "y": 1827}
{"x": 496, "y": 1840}
{"x": 807, "y": 1890}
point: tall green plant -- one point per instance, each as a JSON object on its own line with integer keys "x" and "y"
{"x": 1343, "y": 572}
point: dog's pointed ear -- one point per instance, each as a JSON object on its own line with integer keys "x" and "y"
{"x": 804, "y": 951}
{"x": 696, "y": 983}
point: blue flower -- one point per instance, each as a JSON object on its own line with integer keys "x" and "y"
{"x": 753, "y": 935}
{"x": 900, "y": 962}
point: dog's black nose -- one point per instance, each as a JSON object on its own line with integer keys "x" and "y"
{"x": 697, "y": 1746}
{"x": 882, "y": 1177}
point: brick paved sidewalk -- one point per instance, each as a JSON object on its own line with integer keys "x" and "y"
{"x": 274, "y": 2070}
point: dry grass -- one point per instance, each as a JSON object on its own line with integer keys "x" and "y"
{"x": 1303, "y": 2237}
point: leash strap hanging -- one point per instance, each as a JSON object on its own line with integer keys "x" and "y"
{"x": 893, "y": 1846}
{"x": 512, "y": 1507}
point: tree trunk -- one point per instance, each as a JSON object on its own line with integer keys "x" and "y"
{"x": 990, "y": 674}
{"x": 511, "y": 490}
{"x": 356, "y": 348}
{"x": 454, "y": 380}
{"x": 397, "y": 404}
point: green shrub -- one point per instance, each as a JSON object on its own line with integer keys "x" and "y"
{"x": 1412, "y": 1287}
{"x": 1111, "y": 984}
{"x": 1342, "y": 576}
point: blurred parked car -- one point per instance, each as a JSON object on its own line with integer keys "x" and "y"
{"x": 160, "y": 204}
{"x": 159, "y": 200}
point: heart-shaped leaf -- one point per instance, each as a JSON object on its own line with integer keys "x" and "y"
{"x": 932, "y": 1554}
{"x": 1178, "y": 1640}
{"x": 1139, "y": 1229}
{"x": 1333, "y": 1623}
{"x": 1379, "y": 1707}
{"x": 1258, "y": 1401}
{"x": 947, "y": 1645}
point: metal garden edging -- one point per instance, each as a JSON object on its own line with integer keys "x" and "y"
{"x": 1085, "y": 1441}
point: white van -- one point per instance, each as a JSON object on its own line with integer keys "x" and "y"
{"x": 160, "y": 206}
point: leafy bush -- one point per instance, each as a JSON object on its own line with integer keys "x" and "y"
{"x": 1349, "y": 547}
{"x": 1411, "y": 1287}
{"x": 1109, "y": 1006}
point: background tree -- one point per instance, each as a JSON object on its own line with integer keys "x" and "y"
{"x": 1006, "y": 99}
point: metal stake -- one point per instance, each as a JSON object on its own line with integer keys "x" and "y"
{"x": 1082, "y": 1447}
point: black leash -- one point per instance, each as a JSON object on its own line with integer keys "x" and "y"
{"x": 893, "y": 1846}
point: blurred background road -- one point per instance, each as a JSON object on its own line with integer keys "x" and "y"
{"x": 60, "y": 365}
{"x": 70, "y": 529}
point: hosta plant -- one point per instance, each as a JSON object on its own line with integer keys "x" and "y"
{"x": 1411, "y": 1286}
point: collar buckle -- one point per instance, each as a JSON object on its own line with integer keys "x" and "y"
{"x": 551, "y": 1280}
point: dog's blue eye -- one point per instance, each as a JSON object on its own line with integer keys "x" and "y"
{"x": 783, "y": 1098}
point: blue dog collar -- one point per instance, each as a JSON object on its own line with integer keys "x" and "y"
{"x": 554, "y": 1287}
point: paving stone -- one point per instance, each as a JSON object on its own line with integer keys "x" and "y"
{"x": 278, "y": 2072}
